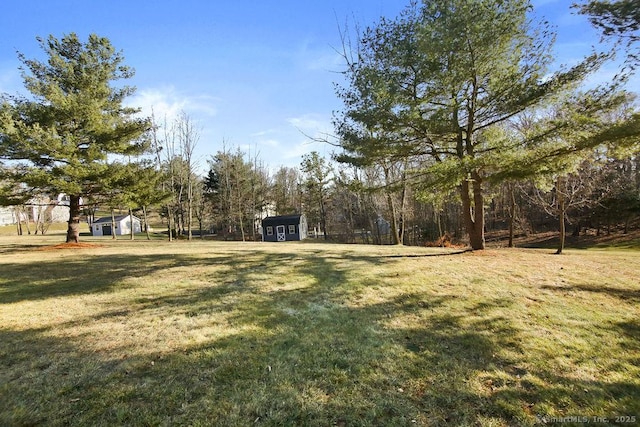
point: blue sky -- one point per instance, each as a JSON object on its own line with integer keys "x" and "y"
{"x": 255, "y": 74}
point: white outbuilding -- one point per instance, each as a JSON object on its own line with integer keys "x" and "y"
{"x": 103, "y": 226}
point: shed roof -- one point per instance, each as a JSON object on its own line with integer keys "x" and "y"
{"x": 282, "y": 218}
{"x": 118, "y": 218}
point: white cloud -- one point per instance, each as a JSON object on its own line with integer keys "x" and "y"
{"x": 311, "y": 55}
{"x": 263, "y": 133}
{"x": 316, "y": 129}
{"x": 296, "y": 151}
{"x": 309, "y": 123}
{"x": 167, "y": 102}
{"x": 329, "y": 60}
{"x": 317, "y": 135}
{"x": 286, "y": 146}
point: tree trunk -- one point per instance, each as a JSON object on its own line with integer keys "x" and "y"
{"x": 73, "y": 230}
{"x": 512, "y": 213}
{"x": 39, "y": 222}
{"x": 241, "y": 218}
{"x": 189, "y": 204}
{"x": 351, "y": 226}
{"x": 626, "y": 224}
{"x": 179, "y": 220}
{"x": 146, "y": 222}
{"x": 26, "y": 221}
{"x": 189, "y": 215}
{"x": 439, "y": 224}
{"x": 562, "y": 231}
{"x": 403, "y": 207}
{"x": 169, "y": 223}
{"x": 395, "y": 232}
{"x": 396, "y": 238}
{"x": 323, "y": 215}
{"x": 561, "y": 215}
{"x": 473, "y": 215}
{"x": 577, "y": 229}
{"x": 131, "y": 226}
{"x": 242, "y": 228}
{"x": 373, "y": 226}
{"x": 113, "y": 225}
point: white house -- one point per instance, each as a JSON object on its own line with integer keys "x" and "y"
{"x": 41, "y": 208}
{"x": 48, "y": 209}
{"x": 7, "y": 216}
{"x": 102, "y": 226}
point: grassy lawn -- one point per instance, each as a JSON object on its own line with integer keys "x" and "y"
{"x": 216, "y": 333}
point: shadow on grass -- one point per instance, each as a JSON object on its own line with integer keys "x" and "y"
{"x": 623, "y": 294}
{"x": 614, "y": 241}
{"x": 303, "y": 353}
{"x": 85, "y": 274}
{"x": 458, "y": 252}
{"x": 13, "y": 248}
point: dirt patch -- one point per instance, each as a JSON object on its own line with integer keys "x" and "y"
{"x": 70, "y": 246}
{"x": 446, "y": 241}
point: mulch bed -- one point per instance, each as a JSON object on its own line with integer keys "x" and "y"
{"x": 70, "y": 246}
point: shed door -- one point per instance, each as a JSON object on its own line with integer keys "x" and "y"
{"x": 106, "y": 230}
{"x": 280, "y": 233}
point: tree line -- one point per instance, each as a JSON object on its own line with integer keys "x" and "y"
{"x": 454, "y": 123}
{"x": 381, "y": 205}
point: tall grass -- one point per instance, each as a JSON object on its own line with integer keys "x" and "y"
{"x": 214, "y": 333}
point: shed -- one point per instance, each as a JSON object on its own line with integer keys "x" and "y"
{"x": 284, "y": 228}
{"x": 102, "y": 226}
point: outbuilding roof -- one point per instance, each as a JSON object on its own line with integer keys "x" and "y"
{"x": 107, "y": 219}
{"x": 282, "y": 218}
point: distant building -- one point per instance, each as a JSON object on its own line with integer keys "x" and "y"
{"x": 103, "y": 226}
{"x": 7, "y": 216}
{"x": 383, "y": 227}
{"x": 48, "y": 209}
{"x": 284, "y": 228}
{"x": 41, "y": 208}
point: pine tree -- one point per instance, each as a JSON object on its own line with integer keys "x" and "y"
{"x": 620, "y": 20}
{"x": 433, "y": 84}
{"x": 74, "y": 121}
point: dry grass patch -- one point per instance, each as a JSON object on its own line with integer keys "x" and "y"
{"x": 215, "y": 333}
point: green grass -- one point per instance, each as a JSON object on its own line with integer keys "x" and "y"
{"x": 216, "y": 333}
